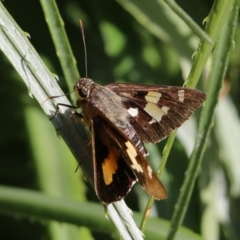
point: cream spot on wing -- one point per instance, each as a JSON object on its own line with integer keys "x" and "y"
{"x": 181, "y": 95}
{"x": 165, "y": 109}
{"x": 132, "y": 155}
{"x": 152, "y": 121}
{"x": 156, "y": 112}
{"x": 149, "y": 171}
{"x": 133, "y": 111}
{"x": 153, "y": 97}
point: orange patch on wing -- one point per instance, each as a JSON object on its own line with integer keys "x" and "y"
{"x": 109, "y": 166}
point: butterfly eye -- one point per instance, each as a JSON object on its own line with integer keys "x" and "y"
{"x": 83, "y": 87}
{"x": 83, "y": 92}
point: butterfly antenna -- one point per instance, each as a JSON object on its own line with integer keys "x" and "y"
{"x": 84, "y": 45}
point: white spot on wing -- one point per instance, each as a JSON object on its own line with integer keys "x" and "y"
{"x": 132, "y": 155}
{"x": 133, "y": 111}
{"x": 153, "y": 97}
{"x": 181, "y": 95}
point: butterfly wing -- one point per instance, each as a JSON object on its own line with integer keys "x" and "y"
{"x": 156, "y": 111}
{"x": 113, "y": 178}
{"x": 118, "y": 164}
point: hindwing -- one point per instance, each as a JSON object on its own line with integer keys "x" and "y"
{"x": 118, "y": 164}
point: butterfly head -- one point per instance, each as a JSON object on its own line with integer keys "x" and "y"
{"x": 83, "y": 87}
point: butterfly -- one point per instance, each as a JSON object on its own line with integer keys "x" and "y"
{"x": 122, "y": 117}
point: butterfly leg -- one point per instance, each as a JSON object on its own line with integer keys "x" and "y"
{"x": 57, "y": 109}
{"x": 79, "y": 115}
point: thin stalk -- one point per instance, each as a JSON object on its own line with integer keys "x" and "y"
{"x": 219, "y": 67}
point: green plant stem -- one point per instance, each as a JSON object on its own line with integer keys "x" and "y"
{"x": 214, "y": 23}
{"x": 157, "y": 18}
{"x": 219, "y": 66}
{"x": 61, "y": 42}
{"x": 188, "y": 20}
{"x": 202, "y": 54}
{"x": 33, "y": 204}
{"x": 39, "y": 207}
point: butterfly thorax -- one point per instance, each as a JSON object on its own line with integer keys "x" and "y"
{"x": 91, "y": 97}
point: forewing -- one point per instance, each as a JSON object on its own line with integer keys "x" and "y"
{"x": 158, "y": 110}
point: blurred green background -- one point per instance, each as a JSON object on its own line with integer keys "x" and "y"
{"x": 127, "y": 41}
